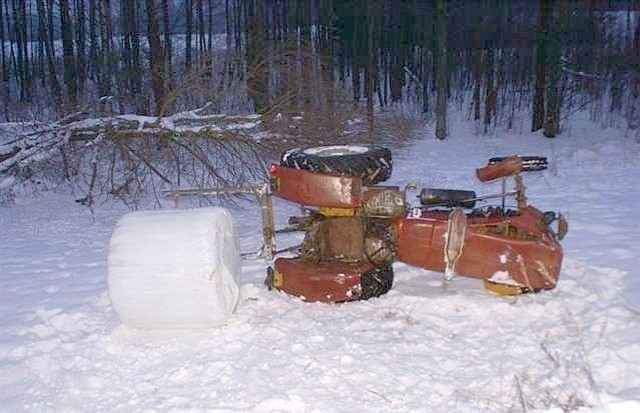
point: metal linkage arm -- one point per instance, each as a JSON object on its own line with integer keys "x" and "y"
{"x": 262, "y": 194}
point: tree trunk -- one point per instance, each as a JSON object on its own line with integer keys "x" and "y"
{"x": 26, "y": 64}
{"x": 168, "y": 53}
{"x": 80, "y": 44}
{"x": 3, "y": 51}
{"x": 370, "y": 69}
{"x": 40, "y": 59}
{"x": 396, "y": 53}
{"x": 188, "y": 31}
{"x": 239, "y": 13}
{"x": 155, "y": 57}
{"x": 476, "y": 72}
{"x": 201, "y": 29}
{"x": 490, "y": 90}
{"x": 633, "y": 121}
{"x": 69, "y": 71}
{"x": 50, "y": 19}
{"x": 540, "y": 63}
{"x": 553, "y": 67}
{"x": 93, "y": 64}
{"x": 397, "y": 77}
{"x": 132, "y": 55}
{"x": 49, "y": 52}
{"x": 210, "y": 26}
{"x": 441, "y": 69}
{"x": 228, "y": 22}
{"x": 19, "y": 58}
{"x": 105, "y": 58}
{"x": 4, "y": 78}
{"x": 257, "y": 78}
{"x": 477, "y": 82}
{"x": 426, "y": 71}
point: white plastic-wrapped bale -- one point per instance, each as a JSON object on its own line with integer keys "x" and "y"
{"x": 174, "y": 268}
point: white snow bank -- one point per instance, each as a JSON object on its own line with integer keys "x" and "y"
{"x": 174, "y": 268}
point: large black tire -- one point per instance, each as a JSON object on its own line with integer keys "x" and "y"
{"x": 376, "y": 282}
{"x": 372, "y": 163}
{"x": 529, "y": 163}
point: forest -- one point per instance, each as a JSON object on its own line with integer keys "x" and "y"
{"x": 155, "y": 56}
{"x": 495, "y": 61}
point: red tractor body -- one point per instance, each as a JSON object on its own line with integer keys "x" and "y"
{"x": 354, "y": 231}
{"x": 517, "y": 249}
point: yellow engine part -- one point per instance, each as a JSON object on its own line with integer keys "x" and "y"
{"x": 337, "y": 212}
{"x": 505, "y": 289}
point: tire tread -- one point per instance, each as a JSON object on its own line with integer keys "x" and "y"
{"x": 373, "y": 166}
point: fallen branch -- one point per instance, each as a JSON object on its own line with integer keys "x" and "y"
{"x": 127, "y": 155}
{"x": 41, "y": 143}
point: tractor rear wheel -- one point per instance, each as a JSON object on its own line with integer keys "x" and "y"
{"x": 376, "y": 282}
{"x": 372, "y": 163}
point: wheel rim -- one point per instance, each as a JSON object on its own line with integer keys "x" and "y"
{"x": 335, "y": 150}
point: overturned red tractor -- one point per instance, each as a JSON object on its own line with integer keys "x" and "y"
{"x": 355, "y": 229}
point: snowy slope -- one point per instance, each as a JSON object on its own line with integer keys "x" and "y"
{"x": 417, "y": 348}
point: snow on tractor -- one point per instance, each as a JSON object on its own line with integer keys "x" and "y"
{"x": 355, "y": 229}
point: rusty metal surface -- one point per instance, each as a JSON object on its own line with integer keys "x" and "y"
{"x": 518, "y": 248}
{"x": 383, "y": 201}
{"x": 506, "y": 167}
{"x": 341, "y": 238}
{"x": 316, "y": 189}
{"x": 326, "y": 281}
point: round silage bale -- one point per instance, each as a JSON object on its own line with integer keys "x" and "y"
{"x": 174, "y": 268}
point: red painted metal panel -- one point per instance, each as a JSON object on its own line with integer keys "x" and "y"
{"x": 531, "y": 259}
{"x": 316, "y": 189}
{"x": 506, "y": 167}
{"x": 313, "y": 280}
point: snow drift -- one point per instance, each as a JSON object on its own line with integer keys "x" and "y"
{"x": 174, "y": 268}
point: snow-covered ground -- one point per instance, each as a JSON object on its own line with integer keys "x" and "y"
{"x": 418, "y": 348}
